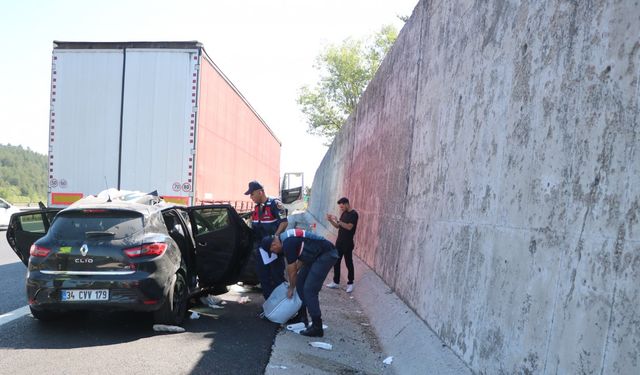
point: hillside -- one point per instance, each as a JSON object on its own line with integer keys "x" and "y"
{"x": 23, "y": 175}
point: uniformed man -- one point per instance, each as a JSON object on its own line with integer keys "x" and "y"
{"x": 309, "y": 259}
{"x": 267, "y": 219}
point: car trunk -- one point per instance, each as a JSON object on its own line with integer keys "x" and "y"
{"x": 92, "y": 241}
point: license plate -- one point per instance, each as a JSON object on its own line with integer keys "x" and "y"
{"x": 84, "y": 295}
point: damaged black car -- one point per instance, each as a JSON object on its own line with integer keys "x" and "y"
{"x": 134, "y": 252}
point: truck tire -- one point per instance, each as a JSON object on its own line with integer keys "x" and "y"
{"x": 174, "y": 308}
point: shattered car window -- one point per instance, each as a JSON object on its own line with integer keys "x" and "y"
{"x": 74, "y": 225}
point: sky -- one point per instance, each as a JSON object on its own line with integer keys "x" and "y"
{"x": 266, "y": 48}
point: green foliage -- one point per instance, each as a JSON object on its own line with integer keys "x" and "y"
{"x": 23, "y": 175}
{"x": 345, "y": 72}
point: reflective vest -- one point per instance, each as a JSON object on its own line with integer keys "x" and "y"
{"x": 266, "y": 218}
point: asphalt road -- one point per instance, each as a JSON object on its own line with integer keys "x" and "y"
{"x": 233, "y": 342}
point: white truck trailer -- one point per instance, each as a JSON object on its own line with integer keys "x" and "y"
{"x": 153, "y": 116}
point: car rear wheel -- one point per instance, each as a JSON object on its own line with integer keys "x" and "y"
{"x": 45, "y": 316}
{"x": 174, "y": 308}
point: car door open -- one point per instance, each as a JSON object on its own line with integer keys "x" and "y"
{"x": 223, "y": 244}
{"x": 27, "y": 227}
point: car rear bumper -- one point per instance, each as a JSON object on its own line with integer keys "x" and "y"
{"x": 135, "y": 292}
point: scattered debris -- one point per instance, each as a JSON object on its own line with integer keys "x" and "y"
{"x": 299, "y": 327}
{"x": 212, "y": 302}
{"x": 244, "y": 300}
{"x": 321, "y": 345}
{"x": 194, "y": 315}
{"x": 358, "y": 312}
{"x": 239, "y": 289}
{"x": 365, "y": 324}
{"x": 296, "y": 327}
{"x": 204, "y": 310}
{"x": 388, "y": 360}
{"x": 166, "y": 328}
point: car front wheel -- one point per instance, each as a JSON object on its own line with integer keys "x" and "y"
{"x": 174, "y": 308}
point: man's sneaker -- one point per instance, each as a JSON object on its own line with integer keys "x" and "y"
{"x": 349, "y": 288}
{"x": 332, "y": 285}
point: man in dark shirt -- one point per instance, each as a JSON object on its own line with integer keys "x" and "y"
{"x": 309, "y": 259}
{"x": 346, "y": 225}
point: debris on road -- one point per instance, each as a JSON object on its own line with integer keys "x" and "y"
{"x": 244, "y": 300}
{"x": 194, "y": 315}
{"x": 299, "y": 327}
{"x": 239, "y": 289}
{"x": 167, "y": 328}
{"x": 365, "y": 324}
{"x": 321, "y": 345}
{"x": 296, "y": 327}
{"x": 388, "y": 360}
{"x": 212, "y": 301}
{"x": 204, "y": 310}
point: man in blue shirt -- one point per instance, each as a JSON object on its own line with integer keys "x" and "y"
{"x": 309, "y": 258}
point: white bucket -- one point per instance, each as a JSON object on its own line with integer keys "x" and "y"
{"x": 278, "y": 308}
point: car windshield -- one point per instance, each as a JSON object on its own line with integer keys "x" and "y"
{"x": 103, "y": 224}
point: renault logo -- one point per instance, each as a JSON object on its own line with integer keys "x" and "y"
{"x": 84, "y": 250}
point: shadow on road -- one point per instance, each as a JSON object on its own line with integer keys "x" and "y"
{"x": 78, "y": 330}
{"x": 240, "y": 342}
{"x": 12, "y": 288}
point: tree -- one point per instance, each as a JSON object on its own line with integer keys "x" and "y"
{"x": 23, "y": 174}
{"x": 345, "y": 71}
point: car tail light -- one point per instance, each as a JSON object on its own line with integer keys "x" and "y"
{"x": 38, "y": 251}
{"x": 149, "y": 249}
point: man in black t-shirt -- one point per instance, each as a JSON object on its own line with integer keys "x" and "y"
{"x": 346, "y": 225}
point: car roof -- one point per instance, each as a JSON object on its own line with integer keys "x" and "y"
{"x": 112, "y": 199}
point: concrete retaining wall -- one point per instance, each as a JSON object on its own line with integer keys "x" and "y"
{"x": 495, "y": 164}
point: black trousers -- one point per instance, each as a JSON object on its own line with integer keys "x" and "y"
{"x": 345, "y": 252}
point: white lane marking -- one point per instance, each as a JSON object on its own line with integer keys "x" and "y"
{"x": 13, "y": 315}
